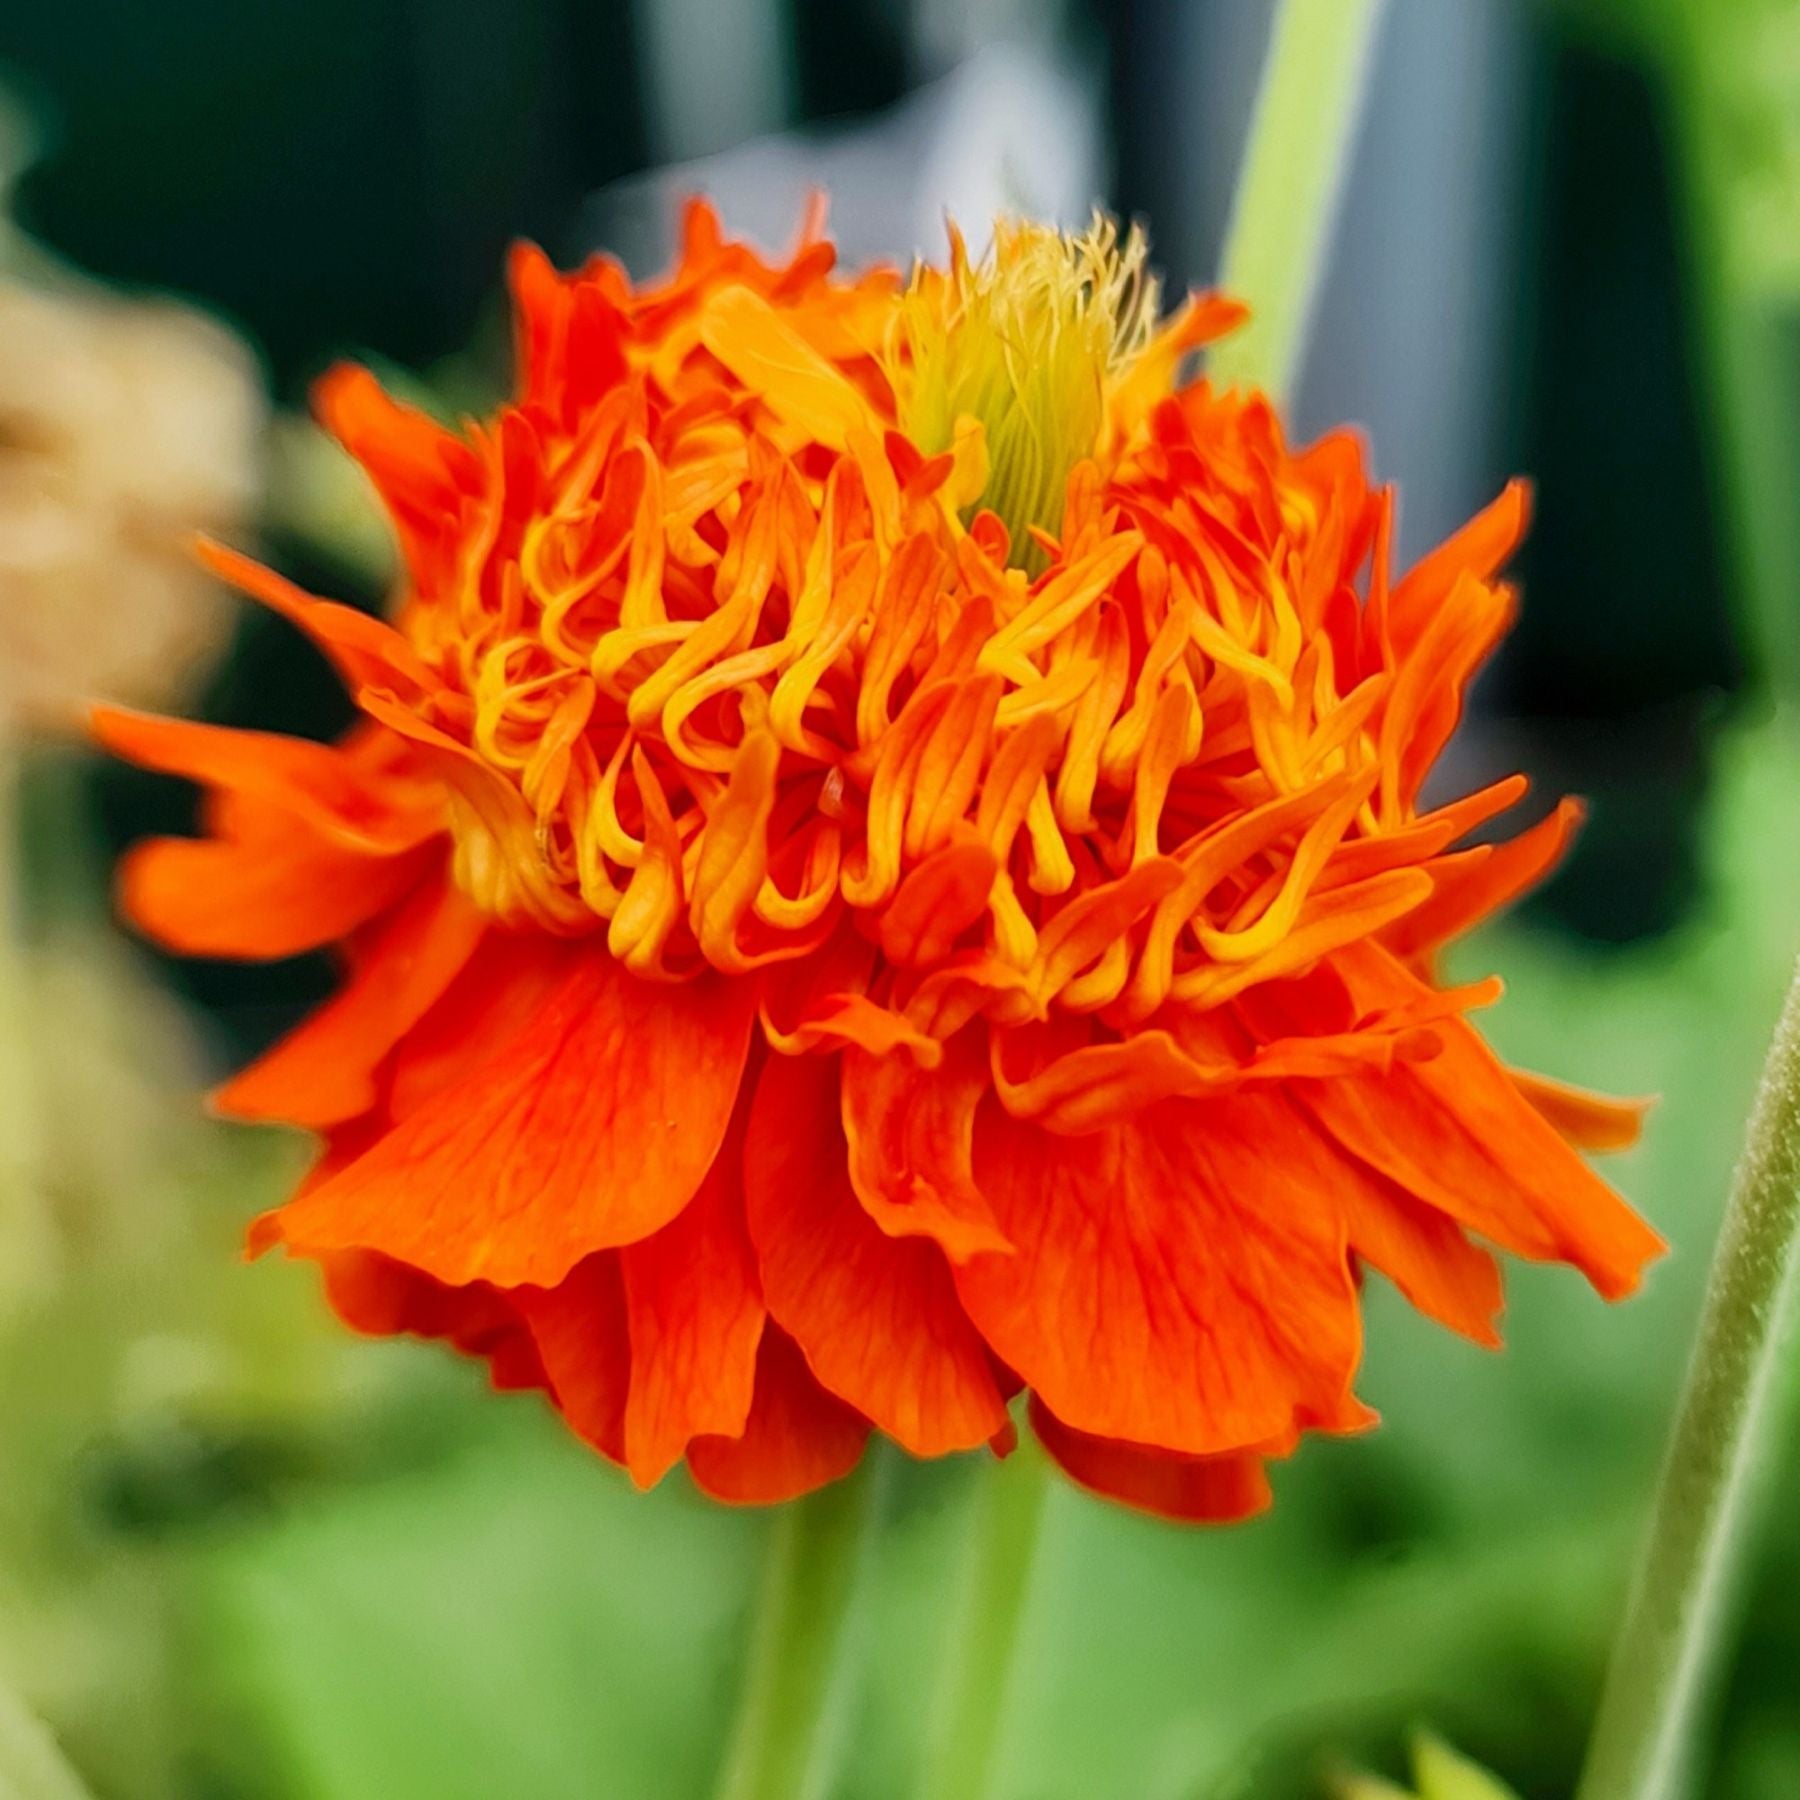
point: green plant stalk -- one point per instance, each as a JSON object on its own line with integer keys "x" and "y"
{"x": 806, "y": 1644}
{"x": 1668, "y": 1643}
{"x": 1300, "y": 137}
{"x": 1714, "y": 68}
{"x": 989, "y": 1602}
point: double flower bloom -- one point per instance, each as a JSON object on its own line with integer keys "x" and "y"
{"x": 883, "y": 868}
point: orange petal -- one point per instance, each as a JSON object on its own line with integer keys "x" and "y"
{"x": 776, "y": 363}
{"x": 580, "y": 1332}
{"x": 592, "y": 1127}
{"x": 276, "y": 894}
{"x": 324, "y": 1072}
{"x": 1480, "y": 548}
{"x": 936, "y": 903}
{"x": 365, "y": 651}
{"x": 1457, "y": 1133}
{"x": 327, "y": 788}
{"x": 421, "y": 471}
{"x": 1593, "y": 1122}
{"x": 797, "y": 1438}
{"x": 877, "y": 1316}
{"x": 1202, "y": 1490}
{"x": 508, "y": 979}
{"x": 382, "y": 1298}
{"x": 695, "y": 1313}
{"x": 1472, "y": 885}
{"x": 1179, "y": 1280}
{"x": 910, "y": 1133}
{"x": 1422, "y": 1252}
{"x": 570, "y": 336}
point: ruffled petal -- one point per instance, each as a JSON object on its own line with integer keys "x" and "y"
{"x": 1457, "y": 1133}
{"x": 579, "y": 1329}
{"x": 1422, "y": 1251}
{"x": 1479, "y": 549}
{"x": 911, "y": 1134}
{"x": 877, "y": 1316}
{"x": 1197, "y": 1490}
{"x": 591, "y": 1127}
{"x": 423, "y": 473}
{"x": 695, "y": 1312}
{"x": 1471, "y": 885}
{"x": 382, "y": 1298}
{"x": 1179, "y": 1280}
{"x": 797, "y": 1438}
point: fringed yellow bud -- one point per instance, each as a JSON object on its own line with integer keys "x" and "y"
{"x": 1024, "y": 344}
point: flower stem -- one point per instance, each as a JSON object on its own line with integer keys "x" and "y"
{"x": 806, "y": 1644}
{"x": 1667, "y": 1644}
{"x": 1306, "y": 113}
{"x": 1006, "y": 1519}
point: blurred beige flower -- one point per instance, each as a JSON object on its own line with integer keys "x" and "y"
{"x": 125, "y": 426}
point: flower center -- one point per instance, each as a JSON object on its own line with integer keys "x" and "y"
{"x": 1023, "y": 344}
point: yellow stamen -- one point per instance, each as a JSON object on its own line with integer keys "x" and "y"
{"x": 1024, "y": 344}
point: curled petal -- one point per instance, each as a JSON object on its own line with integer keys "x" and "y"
{"x": 382, "y": 1298}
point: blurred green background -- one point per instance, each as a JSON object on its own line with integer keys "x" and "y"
{"x": 243, "y": 1556}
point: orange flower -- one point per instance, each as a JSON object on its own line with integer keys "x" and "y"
{"x": 808, "y": 973}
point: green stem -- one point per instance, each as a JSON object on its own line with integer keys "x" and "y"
{"x": 1667, "y": 1645}
{"x": 1306, "y": 113}
{"x": 1732, "y": 134}
{"x": 806, "y": 1644}
{"x": 1006, "y": 1519}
